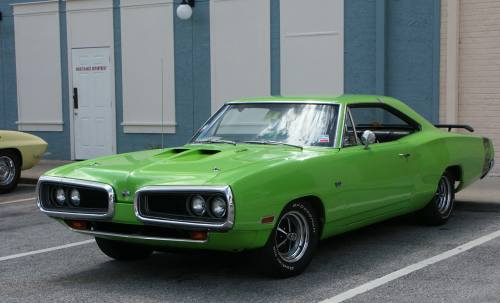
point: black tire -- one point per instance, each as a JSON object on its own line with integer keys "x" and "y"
{"x": 438, "y": 210}
{"x": 10, "y": 170}
{"x": 123, "y": 251}
{"x": 273, "y": 258}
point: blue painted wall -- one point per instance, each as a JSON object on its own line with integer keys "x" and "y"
{"x": 391, "y": 48}
{"x": 275, "y": 48}
{"x": 408, "y": 36}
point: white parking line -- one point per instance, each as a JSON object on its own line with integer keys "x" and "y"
{"x": 411, "y": 268}
{"x": 41, "y": 251}
{"x": 17, "y": 201}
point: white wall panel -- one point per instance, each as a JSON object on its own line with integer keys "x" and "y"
{"x": 38, "y": 66}
{"x": 147, "y": 59}
{"x": 312, "y": 47}
{"x": 240, "y": 49}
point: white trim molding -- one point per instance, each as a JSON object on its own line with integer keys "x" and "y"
{"x": 149, "y": 127}
{"x": 49, "y": 126}
{"x": 35, "y": 8}
{"x": 88, "y": 5}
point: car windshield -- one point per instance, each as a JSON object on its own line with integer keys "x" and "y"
{"x": 300, "y": 124}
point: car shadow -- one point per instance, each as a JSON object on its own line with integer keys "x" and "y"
{"x": 341, "y": 260}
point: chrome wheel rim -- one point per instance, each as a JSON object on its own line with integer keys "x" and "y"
{"x": 7, "y": 170}
{"x": 443, "y": 196}
{"x": 292, "y": 236}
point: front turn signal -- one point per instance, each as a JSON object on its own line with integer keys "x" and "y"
{"x": 76, "y": 224}
{"x": 199, "y": 235}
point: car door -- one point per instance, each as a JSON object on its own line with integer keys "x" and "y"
{"x": 376, "y": 180}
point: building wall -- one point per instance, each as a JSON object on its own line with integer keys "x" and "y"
{"x": 390, "y": 48}
{"x": 478, "y": 68}
{"x": 59, "y": 141}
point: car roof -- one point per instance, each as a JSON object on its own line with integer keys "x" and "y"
{"x": 343, "y": 99}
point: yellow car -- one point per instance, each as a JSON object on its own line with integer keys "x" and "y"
{"x": 18, "y": 151}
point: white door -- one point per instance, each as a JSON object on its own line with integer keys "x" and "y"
{"x": 92, "y": 103}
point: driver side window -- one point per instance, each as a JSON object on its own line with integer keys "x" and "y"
{"x": 385, "y": 122}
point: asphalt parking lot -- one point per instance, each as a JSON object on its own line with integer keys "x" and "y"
{"x": 394, "y": 261}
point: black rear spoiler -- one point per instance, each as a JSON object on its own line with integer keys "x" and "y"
{"x": 451, "y": 126}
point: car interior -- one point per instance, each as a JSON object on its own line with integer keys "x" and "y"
{"x": 385, "y": 122}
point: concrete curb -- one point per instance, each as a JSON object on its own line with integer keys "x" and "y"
{"x": 28, "y": 181}
{"x": 477, "y": 206}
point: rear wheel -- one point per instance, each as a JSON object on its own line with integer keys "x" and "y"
{"x": 439, "y": 209}
{"x": 10, "y": 171}
{"x": 291, "y": 245}
{"x": 123, "y": 251}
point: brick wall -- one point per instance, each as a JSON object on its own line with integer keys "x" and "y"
{"x": 479, "y": 66}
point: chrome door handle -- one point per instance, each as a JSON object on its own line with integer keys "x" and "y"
{"x": 405, "y": 155}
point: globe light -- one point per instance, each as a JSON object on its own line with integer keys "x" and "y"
{"x": 184, "y": 11}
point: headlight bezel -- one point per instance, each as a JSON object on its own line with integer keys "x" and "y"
{"x": 69, "y": 211}
{"x": 206, "y": 222}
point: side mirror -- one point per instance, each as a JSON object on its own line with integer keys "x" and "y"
{"x": 368, "y": 138}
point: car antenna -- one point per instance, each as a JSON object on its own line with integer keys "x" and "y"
{"x": 162, "y": 107}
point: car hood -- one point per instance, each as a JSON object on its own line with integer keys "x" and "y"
{"x": 186, "y": 165}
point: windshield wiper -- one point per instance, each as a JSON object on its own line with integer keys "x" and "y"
{"x": 216, "y": 141}
{"x": 271, "y": 142}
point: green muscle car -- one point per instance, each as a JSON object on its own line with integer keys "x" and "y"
{"x": 273, "y": 175}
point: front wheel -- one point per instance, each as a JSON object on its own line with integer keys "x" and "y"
{"x": 292, "y": 242}
{"x": 10, "y": 171}
{"x": 123, "y": 251}
{"x": 439, "y": 209}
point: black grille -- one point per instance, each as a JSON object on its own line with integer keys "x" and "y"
{"x": 175, "y": 205}
{"x": 92, "y": 200}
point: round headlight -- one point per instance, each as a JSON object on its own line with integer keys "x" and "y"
{"x": 198, "y": 205}
{"x": 60, "y": 196}
{"x": 218, "y": 207}
{"x": 74, "y": 197}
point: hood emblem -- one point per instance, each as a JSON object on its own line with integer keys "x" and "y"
{"x": 125, "y": 193}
